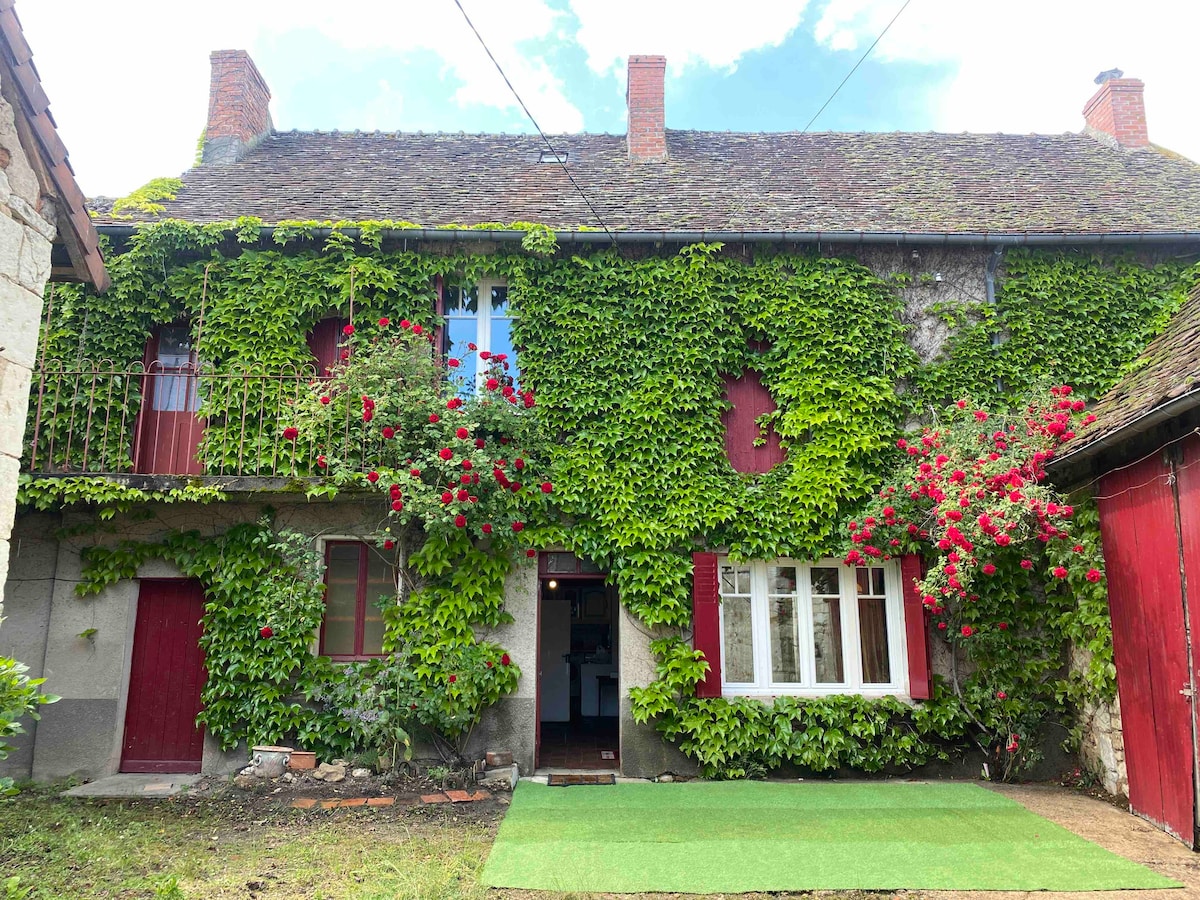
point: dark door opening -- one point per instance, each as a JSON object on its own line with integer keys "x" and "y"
{"x": 578, "y": 683}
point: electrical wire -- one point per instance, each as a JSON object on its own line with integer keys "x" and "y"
{"x": 861, "y": 59}
{"x": 557, "y": 156}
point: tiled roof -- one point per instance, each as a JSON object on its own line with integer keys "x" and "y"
{"x": 1168, "y": 369}
{"x": 713, "y": 181}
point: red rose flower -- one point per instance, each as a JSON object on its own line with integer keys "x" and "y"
{"x": 460, "y": 521}
{"x": 453, "y": 363}
{"x": 345, "y": 354}
{"x": 492, "y": 384}
{"x": 389, "y": 545}
{"x": 446, "y": 453}
{"x": 1003, "y": 626}
{"x": 454, "y": 403}
{"x": 1012, "y": 744}
{"x": 487, "y": 527}
{"x": 516, "y": 486}
{"x": 505, "y": 660}
{"x": 941, "y": 626}
{"x": 348, "y": 330}
{"x": 485, "y": 355}
{"x": 325, "y": 401}
{"x": 434, "y": 418}
{"x": 1000, "y": 695}
{"x": 547, "y": 487}
{"x": 265, "y": 631}
{"x": 1059, "y": 572}
{"x": 452, "y": 679}
{"x": 290, "y": 433}
{"x": 462, "y": 494}
{"x": 989, "y": 569}
{"x": 518, "y": 526}
{"x": 388, "y": 432}
{"x": 1026, "y": 564}
{"x": 464, "y": 479}
{"x": 467, "y": 464}
{"x": 518, "y": 463}
{"x": 967, "y": 631}
{"x": 417, "y": 329}
{"x": 372, "y": 476}
{"x": 1093, "y": 575}
{"x": 415, "y": 473}
{"x": 471, "y": 345}
{"x": 368, "y": 415}
{"x": 405, "y": 324}
{"x": 397, "y": 505}
{"x": 447, "y": 497}
{"x": 462, "y": 434}
{"x": 531, "y": 553}
{"x": 322, "y": 461}
{"x": 385, "y": 322}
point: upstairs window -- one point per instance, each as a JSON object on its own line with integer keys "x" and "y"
{"x": 357, "y": 579}
{"x": 478, "y": 315}
{"x": 811, "y": 628}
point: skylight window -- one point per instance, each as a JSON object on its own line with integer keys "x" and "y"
{"x": 548, "y": 156}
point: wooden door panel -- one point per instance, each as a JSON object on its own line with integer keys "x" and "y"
{"x": 1141, "y": 549}
{"x": 169, "y": 429}
{"x": 165, "y": 679}
{"x": 1188, "y": 473}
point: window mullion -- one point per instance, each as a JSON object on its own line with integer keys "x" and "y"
{"x": 761, "y": 621}
{"x": 804, "y": 623}
{"x": 851, "y": 638}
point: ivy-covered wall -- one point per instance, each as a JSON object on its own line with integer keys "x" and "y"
{"x": 626, "y": 353}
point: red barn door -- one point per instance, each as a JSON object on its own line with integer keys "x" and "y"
{"x": 1146, "y": 598}
{"x": 165, "y": 678}
{"x": 1188, "y": 475}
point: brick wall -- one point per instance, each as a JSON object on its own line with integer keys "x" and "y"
{"x": 1118, "y": 110}
{"x": 647, "y": 135}
{"x": 238, "y": 107}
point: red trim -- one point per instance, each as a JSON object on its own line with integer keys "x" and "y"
{"x": 706, "y": 620}
{"x": 578, "y": 575}
{"x": 920, "y": 675}
{"x": 360, "y": 605}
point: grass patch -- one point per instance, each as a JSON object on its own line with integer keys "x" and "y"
{"x": 754, "y": 836}
{"x": 181, "y": 850}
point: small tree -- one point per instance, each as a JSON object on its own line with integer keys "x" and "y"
{"x": 19, "y": 697}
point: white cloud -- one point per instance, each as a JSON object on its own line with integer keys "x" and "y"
{"x": 128, "y": 79}
{"x": 1027, "y": 65}
{"x": 687, "y": 32}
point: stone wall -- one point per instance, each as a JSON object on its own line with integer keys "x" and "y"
{"x": 27, "y": 228}
{"x": 1102, "y": 745}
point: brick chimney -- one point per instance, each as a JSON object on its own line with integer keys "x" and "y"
{"x": 238, "y": 117}
{"x": 1116, "y": 111}
{"x": 647, "y": 135}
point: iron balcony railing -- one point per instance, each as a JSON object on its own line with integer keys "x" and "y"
{"x": 176, "y": 420}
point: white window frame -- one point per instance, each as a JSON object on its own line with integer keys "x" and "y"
{"x": 483, "y": 325}
{"x": 760, "y": 630}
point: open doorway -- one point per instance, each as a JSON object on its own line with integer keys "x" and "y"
{"x": 578, "y": 679}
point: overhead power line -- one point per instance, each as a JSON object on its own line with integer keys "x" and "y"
{"x": 558, "y": 157}
{"x": 856, "y": 65}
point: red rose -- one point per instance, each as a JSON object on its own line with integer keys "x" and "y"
{"x": 385, "y": 322}
{"x": 1012, "y": 744}
{"x": 1078, "y": 548}
{"x": 487, "y": 527}
{"x": 980, "y": 415}
{"x": 397, "y": 505}
{"x": 967, "y": 631}
{"x": 480, "y": 443}
{"x": 1000, "y": 695}
{"x": 415, "y": 473}
{"x": 1093, "y": 575}
{"x": 471, "y": 345}
{"x": 547, "y": 487}
{"x": 507, "y": 391}
{"x": 505, "y": 660}
{"x": 460, "y": 521}
{"x": 1026, "y": 564}
{"x": 989, "y": 569}
{"x": 452, "y": 363}
{"x": 265, "y": 631}
{"x": 388, "y": 432}
{"x": 462, "y": 434}
{"x": 518, "y": 526}
{"x": 345, "y": 354}
{"x": 389, "y": 545}
{"x": 467, "y": 464}
{"x": 531, "y": 553}
{"x": 322, "y": 462}
{"x": 368, "y": 415}
{"x": 1003, "y": 626}
{"x": 464, "y": 479}
{"x": 485, "y": 355}
{"x": 447, "y": 497}
{"x": 290, "y": 433}
{"x": 1059, "y": 572}
{"x": 462, "y": 494}
{"x": 454, "y": 403}
{"x": 325, "y": 401}
{"x": 516, "y": 486}
{"x": 941, "y": 626}
{"x": 492, "y": 384}
{"x": 417, "y": 329}
{"x": 434, "y": 418}
{"x": 452, "y": 679}
{"x": 446, "y": 453}
{"x": 372, "y": 477}
{"x": 348, "y": 330}
{"x": 405, "y": 324}
{"x": 518, "y": 463}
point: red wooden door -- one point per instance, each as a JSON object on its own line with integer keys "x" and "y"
{"x": 750, "y": 399}
{"x": 169, "y": 431}
{"x": 1188, "y": 475}
{"x": 165, "y": 678}
{"x": 1145, "y": 590}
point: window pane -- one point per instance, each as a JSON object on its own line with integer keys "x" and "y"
{"x": 872, "y": 624}
{"x": 785, "y": 649}
{"x": 500, "y": 300}
{"x": 459, "y": 333}
{"x": 381, "y": 588}
{"x": 561, "y": 563}
{"x": 502, "y": 343}
{"x": 738, "y": 653}
{"x": 175, "y": 392}
{"x": 735, "y": 580}
{"x": 827, "y": 640}
{"x": 877, "y": 582}
{"x": 781, "y": 580}
{"x": 461, "y": 301}
{"x": 825, "y": 582}
{"x": 341, "y": 599}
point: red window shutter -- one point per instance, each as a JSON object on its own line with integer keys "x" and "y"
{"x": 920, "y": 676}
{"x": 323, "y": 342}
{"x": 749, "y": 399}
{"x": 706, "y": 620}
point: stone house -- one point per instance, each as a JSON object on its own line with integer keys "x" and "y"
{"x": 941, "y": 210}
{"x": 45, "y": 235}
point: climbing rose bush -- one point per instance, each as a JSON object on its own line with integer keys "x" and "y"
{"x": 1001, "y": 557}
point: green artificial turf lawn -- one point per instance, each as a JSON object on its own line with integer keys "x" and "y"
{"x": 705, "y": 837}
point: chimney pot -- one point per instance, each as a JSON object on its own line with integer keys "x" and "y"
{"x": 647, "y": 134}
{"x": 1117, "y": 113}
{"x": 238, "y": 108}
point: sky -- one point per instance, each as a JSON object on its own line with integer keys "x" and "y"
{"x": 128, "y": 79}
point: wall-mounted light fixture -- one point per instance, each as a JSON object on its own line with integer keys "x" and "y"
{"x": 552, "y": 584}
